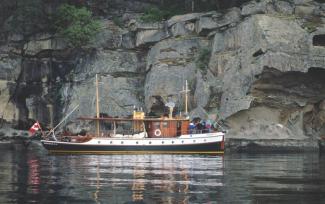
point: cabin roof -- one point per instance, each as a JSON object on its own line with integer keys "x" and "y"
{"x": 134, "y": 119}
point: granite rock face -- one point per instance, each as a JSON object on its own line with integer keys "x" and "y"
{"x": 121, "y": 75}
{"x": 244, "y": 51}
{"x": 259, "y": 67}
{"x": 285, "y": 59}
{"x": 169, "y": 64}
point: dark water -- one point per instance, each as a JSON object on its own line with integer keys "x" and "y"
{"x": 32, "y": 176}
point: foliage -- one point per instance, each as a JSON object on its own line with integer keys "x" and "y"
{"x": 76, "y": 24}
{"x": 188, "y": 6}
{"x": 154, "y": 14}
{"x": 202, "y": 59}
{"x": 118, "y": 21}
{"x": 29, "y": 17}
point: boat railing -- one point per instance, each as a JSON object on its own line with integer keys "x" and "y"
{"x": 111, "y": 133}
{"x": 200, "y": 131}
{"x": 128, "y": 132}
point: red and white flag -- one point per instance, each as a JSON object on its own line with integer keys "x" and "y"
{"x": 34, "y": 128}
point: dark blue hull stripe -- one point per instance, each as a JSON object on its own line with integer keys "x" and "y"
{"x": 66, "y": 147}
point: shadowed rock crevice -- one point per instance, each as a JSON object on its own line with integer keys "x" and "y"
{"x": 314, "y": 120}
{"x": 126, "y": 74}
{"x": 158, "y": 106}
{"x": 258, "y": 53}
{"x": 37, "y": 91}
{"x": 289, "y": 89}
{"x": 319, "y": 40}
{"x": 297, "y": 97}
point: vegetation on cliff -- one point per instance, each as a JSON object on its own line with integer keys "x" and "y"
{"x": 76, "y": 24}
{"x": 155, "y": 14}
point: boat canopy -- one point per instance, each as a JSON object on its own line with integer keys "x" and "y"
{"x": 134, "y": 119}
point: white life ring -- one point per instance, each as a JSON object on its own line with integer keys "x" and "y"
{"x": 157, "y": 132}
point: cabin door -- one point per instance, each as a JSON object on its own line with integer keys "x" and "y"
{"x": 179, "y": 128}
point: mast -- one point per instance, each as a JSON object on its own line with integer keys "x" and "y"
{"x": 97, "y": 106}
{"x": 186, "y": 90}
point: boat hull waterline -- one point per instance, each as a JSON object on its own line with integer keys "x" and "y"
{"x": 180, "y": 145}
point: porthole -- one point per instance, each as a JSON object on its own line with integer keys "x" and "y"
{"x": 98, "y": 142}
{"x": 205, "y": 140}
{"x": 162, "y": 142}
{"x": 182, "y": 141}
{"x": 149, "y": 142}
{"x": 194, "y": 141}
{"x": 136, "y": 142}
{"x": 111, "y": 142}
{"x": 122, "y": 142}
{"x": 172, "y": 142}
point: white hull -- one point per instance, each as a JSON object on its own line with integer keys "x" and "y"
{"x": 198, "y": 143}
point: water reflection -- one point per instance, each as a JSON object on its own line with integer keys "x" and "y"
{"x": 32, "y": 176}
{"x": 34, "y": 180}
{"x": 275, "y": 178}
{"x": 148, "y": 178}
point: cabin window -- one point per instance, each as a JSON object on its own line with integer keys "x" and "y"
{"x": 156, "y": 125}
{"x": 136, "y": 142}
{"x": 122, "y": 142}
{"x": 172, "y": 142}
{"x": 319, "y": 40}
{"x": 149, "y": 142}
{"x": 165, "y": 124}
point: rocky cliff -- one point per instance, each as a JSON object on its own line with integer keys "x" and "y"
{"x": 259, "y": 66}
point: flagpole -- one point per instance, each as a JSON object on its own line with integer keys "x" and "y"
{"x": 40, "y": 127}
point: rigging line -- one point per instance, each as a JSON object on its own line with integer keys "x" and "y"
{"x": 52, "y": 130}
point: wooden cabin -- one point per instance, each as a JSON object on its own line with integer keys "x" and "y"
{"x": 155, "y": 127}
{"x": 166, "y": 127}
